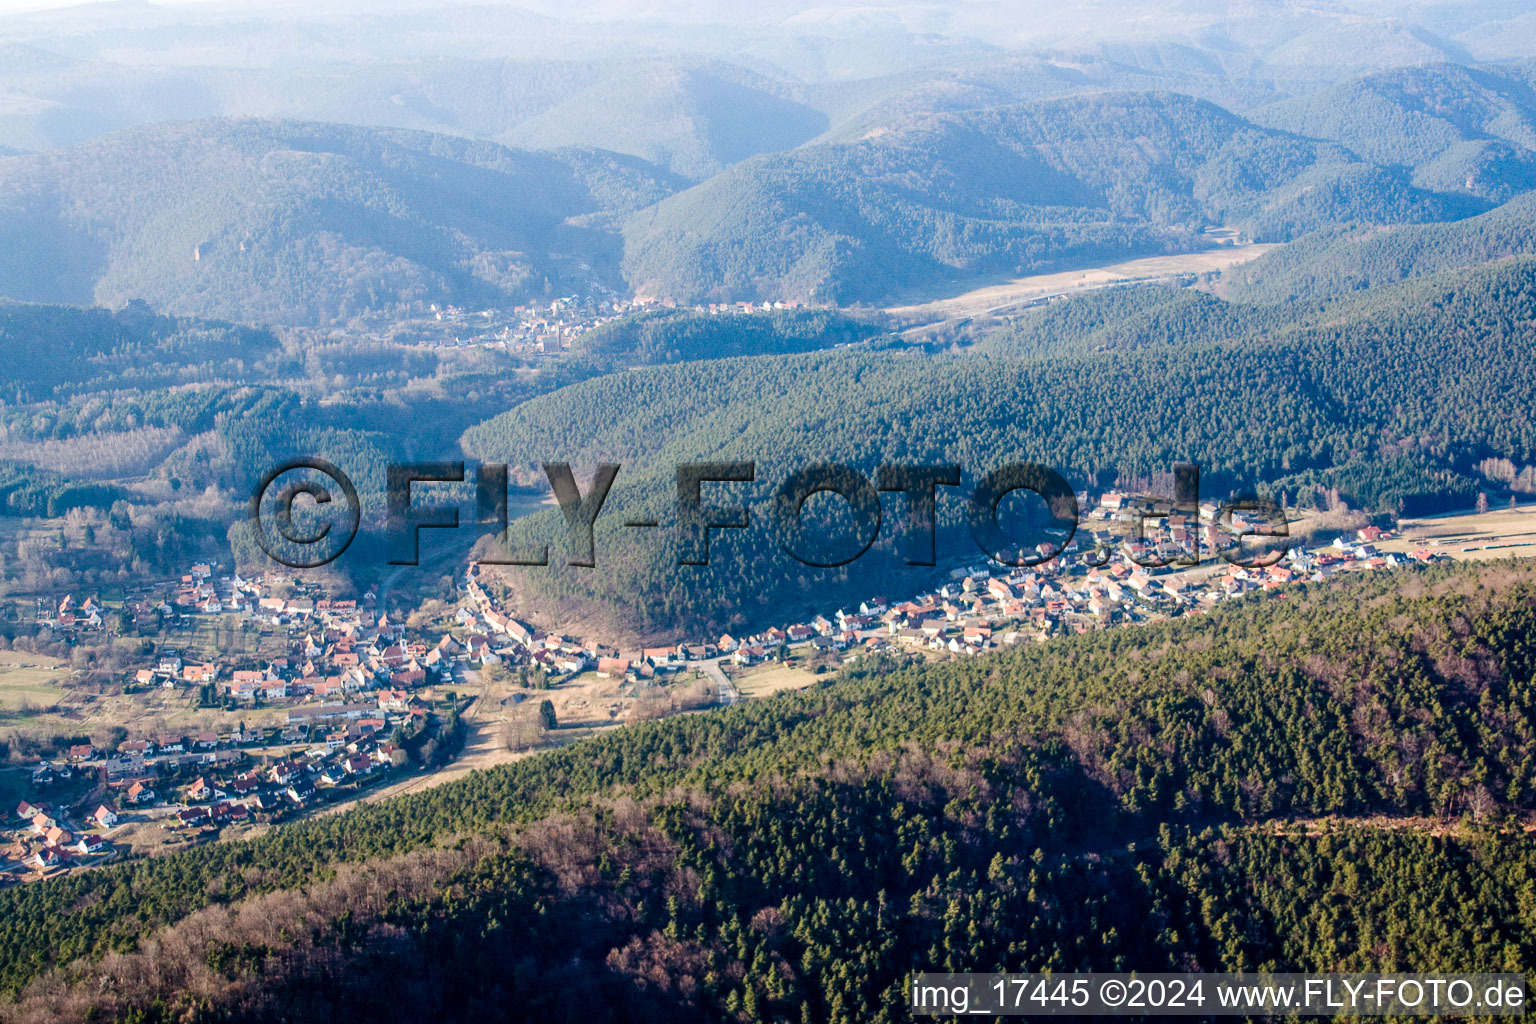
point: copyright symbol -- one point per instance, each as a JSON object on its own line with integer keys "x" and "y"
{"x": 1113, "y": 992}
{"x": 295, "y": 542}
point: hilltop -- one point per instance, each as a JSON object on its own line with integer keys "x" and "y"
{"x": 303, "y": 223}
{"x": 1466, "y": 129}
{"x": 1354, "y": 257}
{"x": 1002, "y": 192}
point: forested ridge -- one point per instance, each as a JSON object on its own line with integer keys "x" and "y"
{"x": 675, "y": 336}
{"x": 1391, "y": 397}
{"x": 1110, "y": 801}
{"x": 52, "y": 351}
{"x": 293, "y": 222}
{"x": 299, "y": 222}
{"x": 1457, "y": 128}
{"x": 1355, "y": 257}
{"x": 930, "y": 201}
{"x": 59, "y": 357}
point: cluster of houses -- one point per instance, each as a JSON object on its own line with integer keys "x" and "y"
{"x": 349, "y": 684}
{"x": 340, "y": 648}
{"x": 534, "y": 329}
{"x": 1100, "y": 578}
{"x": 195, "y": 593}
{"x": 1082, "y": 590}
{"x": 68, "y": 615}
{"x": 209, "y": 781}
{"x": 1362, "y": 548}
{"x": 746, "y": 308}
{"x": 214, "y": 799}
{"x": 45, "y": 840}
{"x": 547, "y": 329}
{"x": 552, "y": 328}
{"x": 494, "y": 638}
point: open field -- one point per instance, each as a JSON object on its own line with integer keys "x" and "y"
{"x": 38, "y": 708}
{"x": 224, "y": 638}
{"x": 1497, "y": 533}
{"x": 585, "y": 701}
{"x": 770, "y": 678}
{"x": 29, "y": 681}
{"x": 1021, "y": 291}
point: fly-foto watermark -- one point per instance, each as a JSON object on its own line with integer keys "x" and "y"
{"x": 333, "y": 520}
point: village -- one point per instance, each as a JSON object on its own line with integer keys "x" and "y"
{"x": 539, "y": 330}
{"x": 338, "y": 714}
{"x": 356, "y": 698}
{"x": 1100, "y": 578}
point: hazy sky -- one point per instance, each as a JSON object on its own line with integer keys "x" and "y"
{"x": 18, "y": 6}
{"x": 256, "y": 33}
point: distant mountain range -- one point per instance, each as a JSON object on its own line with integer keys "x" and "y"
{"x": 693, "y": 116}
{"x": 717, "y": 183}
{"x": 695, "y": 121}
{"x": 1002, "y": 191}
{"x": 1456, "y": 128}
{"x": 294, "y": 222}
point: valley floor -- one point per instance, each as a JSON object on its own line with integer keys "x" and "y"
{"x": 1039, "y": 288}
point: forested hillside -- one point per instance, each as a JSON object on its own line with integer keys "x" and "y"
{"x": 57, "y": 354}
{"x": 1120, "y": 800}
{"x": 1470, "y": 129}
{"x": 1356, "y": 257}
{"x": 675, "y": 336}
{"x": 58, "y": 351}
{"x": 1004, "y": 191}
{"x": 1391, "y": 398}
{"x": 168, "y": 422}
{"x": 303, "y": 223}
